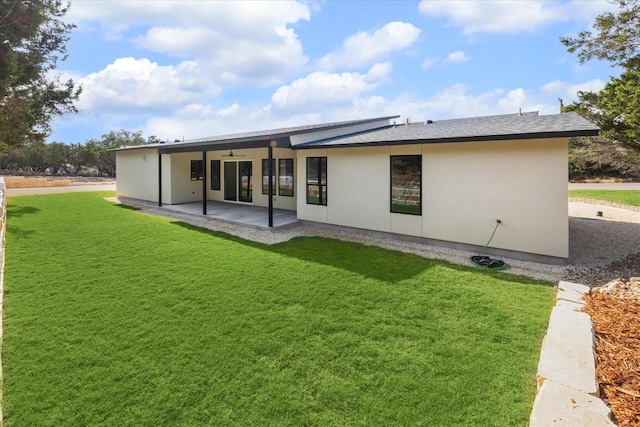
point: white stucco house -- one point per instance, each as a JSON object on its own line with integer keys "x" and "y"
{"x": 444, "y": 182}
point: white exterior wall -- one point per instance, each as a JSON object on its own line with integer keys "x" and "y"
{"x": 182, "y": 188}
{"x": 466, "y": 187}
{"x": 137, "y": 174}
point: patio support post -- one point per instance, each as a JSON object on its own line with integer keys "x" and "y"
{"x": 271, "y": 173}
{"x": 204, "y": 183}
{"x": 159, "y": 178}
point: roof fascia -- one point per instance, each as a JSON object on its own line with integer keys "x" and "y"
{"x": 484, "y": 138}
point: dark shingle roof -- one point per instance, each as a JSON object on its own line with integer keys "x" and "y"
{"x": 252, "y": 139}
{"x": 487, "y": 128}
{"x": 508, "y": 126}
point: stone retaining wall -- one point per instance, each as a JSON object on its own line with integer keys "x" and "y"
{"x": 568, "y": 394}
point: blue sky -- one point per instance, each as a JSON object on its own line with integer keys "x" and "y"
{"x": 190, "y": 69}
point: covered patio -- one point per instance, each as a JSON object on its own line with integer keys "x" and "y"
{"x": 240, "y": 214}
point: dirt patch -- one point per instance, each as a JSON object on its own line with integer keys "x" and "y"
{"x": 53, "y": 181}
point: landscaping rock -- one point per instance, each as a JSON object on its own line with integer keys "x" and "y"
{"x": 559, "y": 405}
{"x": 567, "y": 350}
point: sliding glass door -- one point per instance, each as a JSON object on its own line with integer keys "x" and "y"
{"x": 238, "y": 185}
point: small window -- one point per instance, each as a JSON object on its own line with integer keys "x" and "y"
{"x": 406, "y": 184}
{"x": 317, "y": 181}
{"x": 285, "y": 177}
{"x": 197, "y": 170}
{"x": 215, "y": 174}
{"x": 265, "y": 176}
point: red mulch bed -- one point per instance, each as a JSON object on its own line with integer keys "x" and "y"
{"x": 616, "y": 320}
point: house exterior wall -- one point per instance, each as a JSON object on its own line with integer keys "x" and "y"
{"x": 466, "y": 187}
{"x": 182, "y": 188}
{"x": 137, "y": 174}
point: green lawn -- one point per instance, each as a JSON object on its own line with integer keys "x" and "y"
{"x": 625, "y": 197}
{"x": 114, "y": 318}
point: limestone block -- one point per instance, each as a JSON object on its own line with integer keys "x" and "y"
{"x": 559, "y": 405}
{"x": 567, "y": 355}
{"x": 572, "y": 292}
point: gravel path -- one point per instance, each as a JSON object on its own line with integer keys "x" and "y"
{"x": 601, "y": 248}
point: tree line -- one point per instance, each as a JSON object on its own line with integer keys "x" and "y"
{"x": 55, "y": 158}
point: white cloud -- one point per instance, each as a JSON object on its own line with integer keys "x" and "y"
{"x": 130, "y": 84}
{"x": 232, "y": 110}
{"x": 239, "y": 42}
{"x": 321, "y": 90}
{"x": 490, "y": 16}
{"x": 457, "y": 57}
{"x": 429, "y": 62}
{"x": 569, "y": 92}
{"x": 366, "y": 48}
{"x": 457, "y": 101}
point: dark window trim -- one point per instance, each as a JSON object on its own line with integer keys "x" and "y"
{"x": 215, "y": 175}
{"x": 419, "y": 156}
{"x": 280, "y": 162}
{"x": 321, "y": 201}
{"x": 197, "y": 169}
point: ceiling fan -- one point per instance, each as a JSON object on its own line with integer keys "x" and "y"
{"x": 233, "y": 155}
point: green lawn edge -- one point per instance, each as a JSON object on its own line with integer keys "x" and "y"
{"x": 118, "y": 318}
{"x": 624, "y": 197}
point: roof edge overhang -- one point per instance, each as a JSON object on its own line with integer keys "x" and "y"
{"x": 483, "y": 138}
{"x": 280, "y": 142}
{"x": 282, "y": 139}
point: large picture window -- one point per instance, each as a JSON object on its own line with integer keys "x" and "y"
{"x": 265, "y": 176}
{"x": 406, "y": 184}
{"x": 285, "y": 177}
{"x": 317, "y": 180}
{"x": 215, "y": 174}
{"x": 197, "y": 170}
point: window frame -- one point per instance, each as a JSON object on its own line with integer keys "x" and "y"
{"x": 415, "y": 157}
{"x": 197, "y": 170}
{"x": 285, "y": 162}
{"x": 320, "y": 162}
{"x": 215, "y": 175}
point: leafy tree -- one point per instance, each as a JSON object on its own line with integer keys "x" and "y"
{"x": 616, "y": 108}
{"x": 615, "y": 37}
{"x": 33, "y": 40}
{"x": 34, "y": 158}
{"x": 58, "y": 156}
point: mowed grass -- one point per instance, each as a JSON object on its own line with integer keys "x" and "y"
{"x": 625, "y": 197}
{"x": 112, "y": 317}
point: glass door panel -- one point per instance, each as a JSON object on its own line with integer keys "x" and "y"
{"x": 245, "y": 186}
{"x": 230, "y": 181}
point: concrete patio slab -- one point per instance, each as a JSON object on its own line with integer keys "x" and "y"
{"x": 236, "y": 213}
